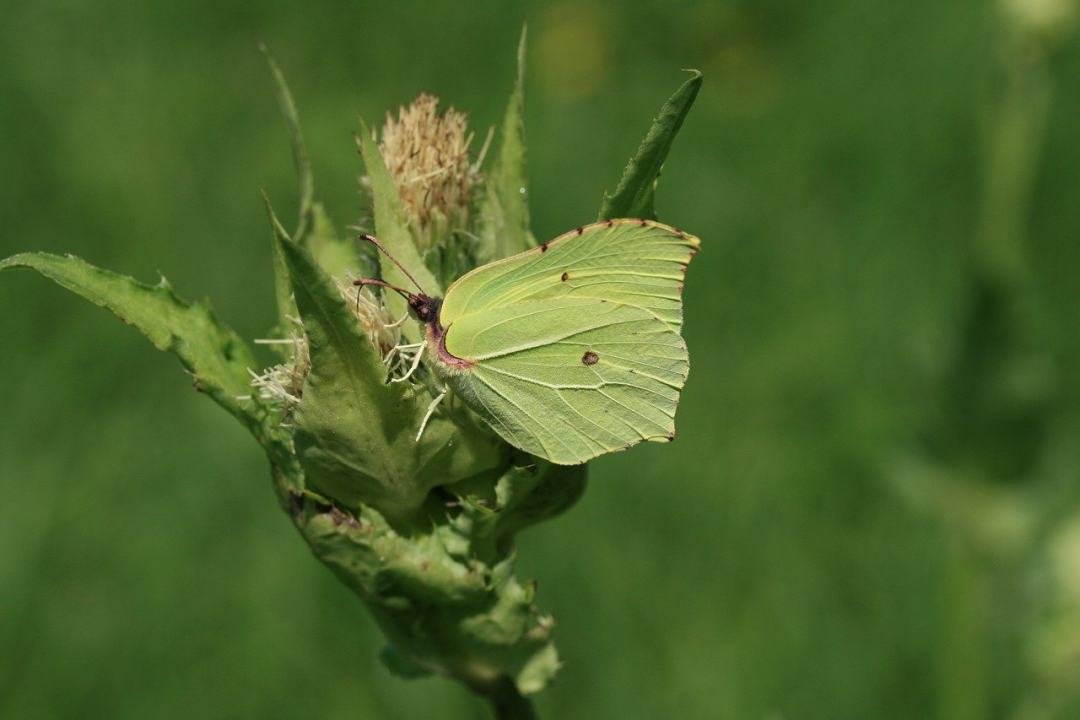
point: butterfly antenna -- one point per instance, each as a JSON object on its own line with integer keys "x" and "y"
{"x": 381, "y": 283}
{"x": 374, "y": 241}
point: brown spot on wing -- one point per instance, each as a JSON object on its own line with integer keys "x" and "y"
{"x": 565, "y": 276}
{"x": 590, "y": 358}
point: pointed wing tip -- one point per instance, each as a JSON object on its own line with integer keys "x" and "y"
{"x": 693, "y": 240}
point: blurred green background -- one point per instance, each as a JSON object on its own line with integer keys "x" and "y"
{"x": 837, "y": 532}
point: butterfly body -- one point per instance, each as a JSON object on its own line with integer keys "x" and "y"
{"x": 572, "y": 349}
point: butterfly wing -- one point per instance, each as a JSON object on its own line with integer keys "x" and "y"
{"x": 635, "y": 262}
{"x": 572, "y": 349}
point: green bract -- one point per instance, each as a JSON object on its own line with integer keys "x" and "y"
{"x": 414, "y": 507}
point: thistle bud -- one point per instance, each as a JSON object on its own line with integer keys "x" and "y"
{"x": 428, "y": 156}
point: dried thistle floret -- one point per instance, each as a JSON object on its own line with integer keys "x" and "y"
{"x": 427, "y": 154}
{"x": 282, "y": 385}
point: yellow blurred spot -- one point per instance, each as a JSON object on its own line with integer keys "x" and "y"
{"x": 1052, "y": 18}
{"x": 572, "y": 50}
{"x": 744, "y": 76}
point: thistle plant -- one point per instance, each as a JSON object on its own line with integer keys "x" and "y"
{"x": 396, "y": 485}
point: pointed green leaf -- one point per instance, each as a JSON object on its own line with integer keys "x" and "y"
{"x": 633, "y": 198}
{"x": 332, "y": 254}
{"x": 392, "y": 229}
{"x": 304, "y": 175}
{"x": 336, "y": 255}
{"x": 504, "y": 212}
{"x": 355, "y": 434}
{"x": 526, "y": 496}
{"x": 346, "y": 383}
{"x": 282, "y": 287}
{"x": 314, "y": 229}
{"x": 217, "y": 357}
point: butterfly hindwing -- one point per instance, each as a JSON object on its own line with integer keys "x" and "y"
{"x": 574, "y": 351}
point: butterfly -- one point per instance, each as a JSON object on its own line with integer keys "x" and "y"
{"x": 571, "y": 349}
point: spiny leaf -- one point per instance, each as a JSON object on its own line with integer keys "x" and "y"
{"x": 392, "y": 229}
{"x": 633, "y": 198}
{"x": 355, "y": 435}
{"x": 441, "y": 610}
{"x": 314, "y": 229}
{"x": 344, "y": 391}
{"x": 504, "y": 212}
{"x": 217, "y": 357}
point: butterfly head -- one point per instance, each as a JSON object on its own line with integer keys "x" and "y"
{"x": 425, "y": 308}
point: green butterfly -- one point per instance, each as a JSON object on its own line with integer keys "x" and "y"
{"x": 571, "y": 349}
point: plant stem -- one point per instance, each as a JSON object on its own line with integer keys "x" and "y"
{"x": 965, "y": 641}
{"x": 1014, "y": 138}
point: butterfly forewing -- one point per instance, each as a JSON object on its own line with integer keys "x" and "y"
{"x": 635, "y": 262}
{"x": 575, "y": 350}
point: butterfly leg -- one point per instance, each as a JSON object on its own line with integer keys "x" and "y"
{"x": 415, "y": 363}
{"x": 394, "y": 358}
{"x": 429, "y": 413}
{"x": 400, "y": 320}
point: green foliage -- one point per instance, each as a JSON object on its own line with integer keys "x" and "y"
{"x": 504, "y": 210}
{"x": 635, "y": 193}
{"x": 336, "y": 256}
{"x": 355, "y": 434}
{"x": 304, "y": 176}
{"x": 217, "y": 358}
{"x": 286, "y": 305}
{"x": 446, "y": 598}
